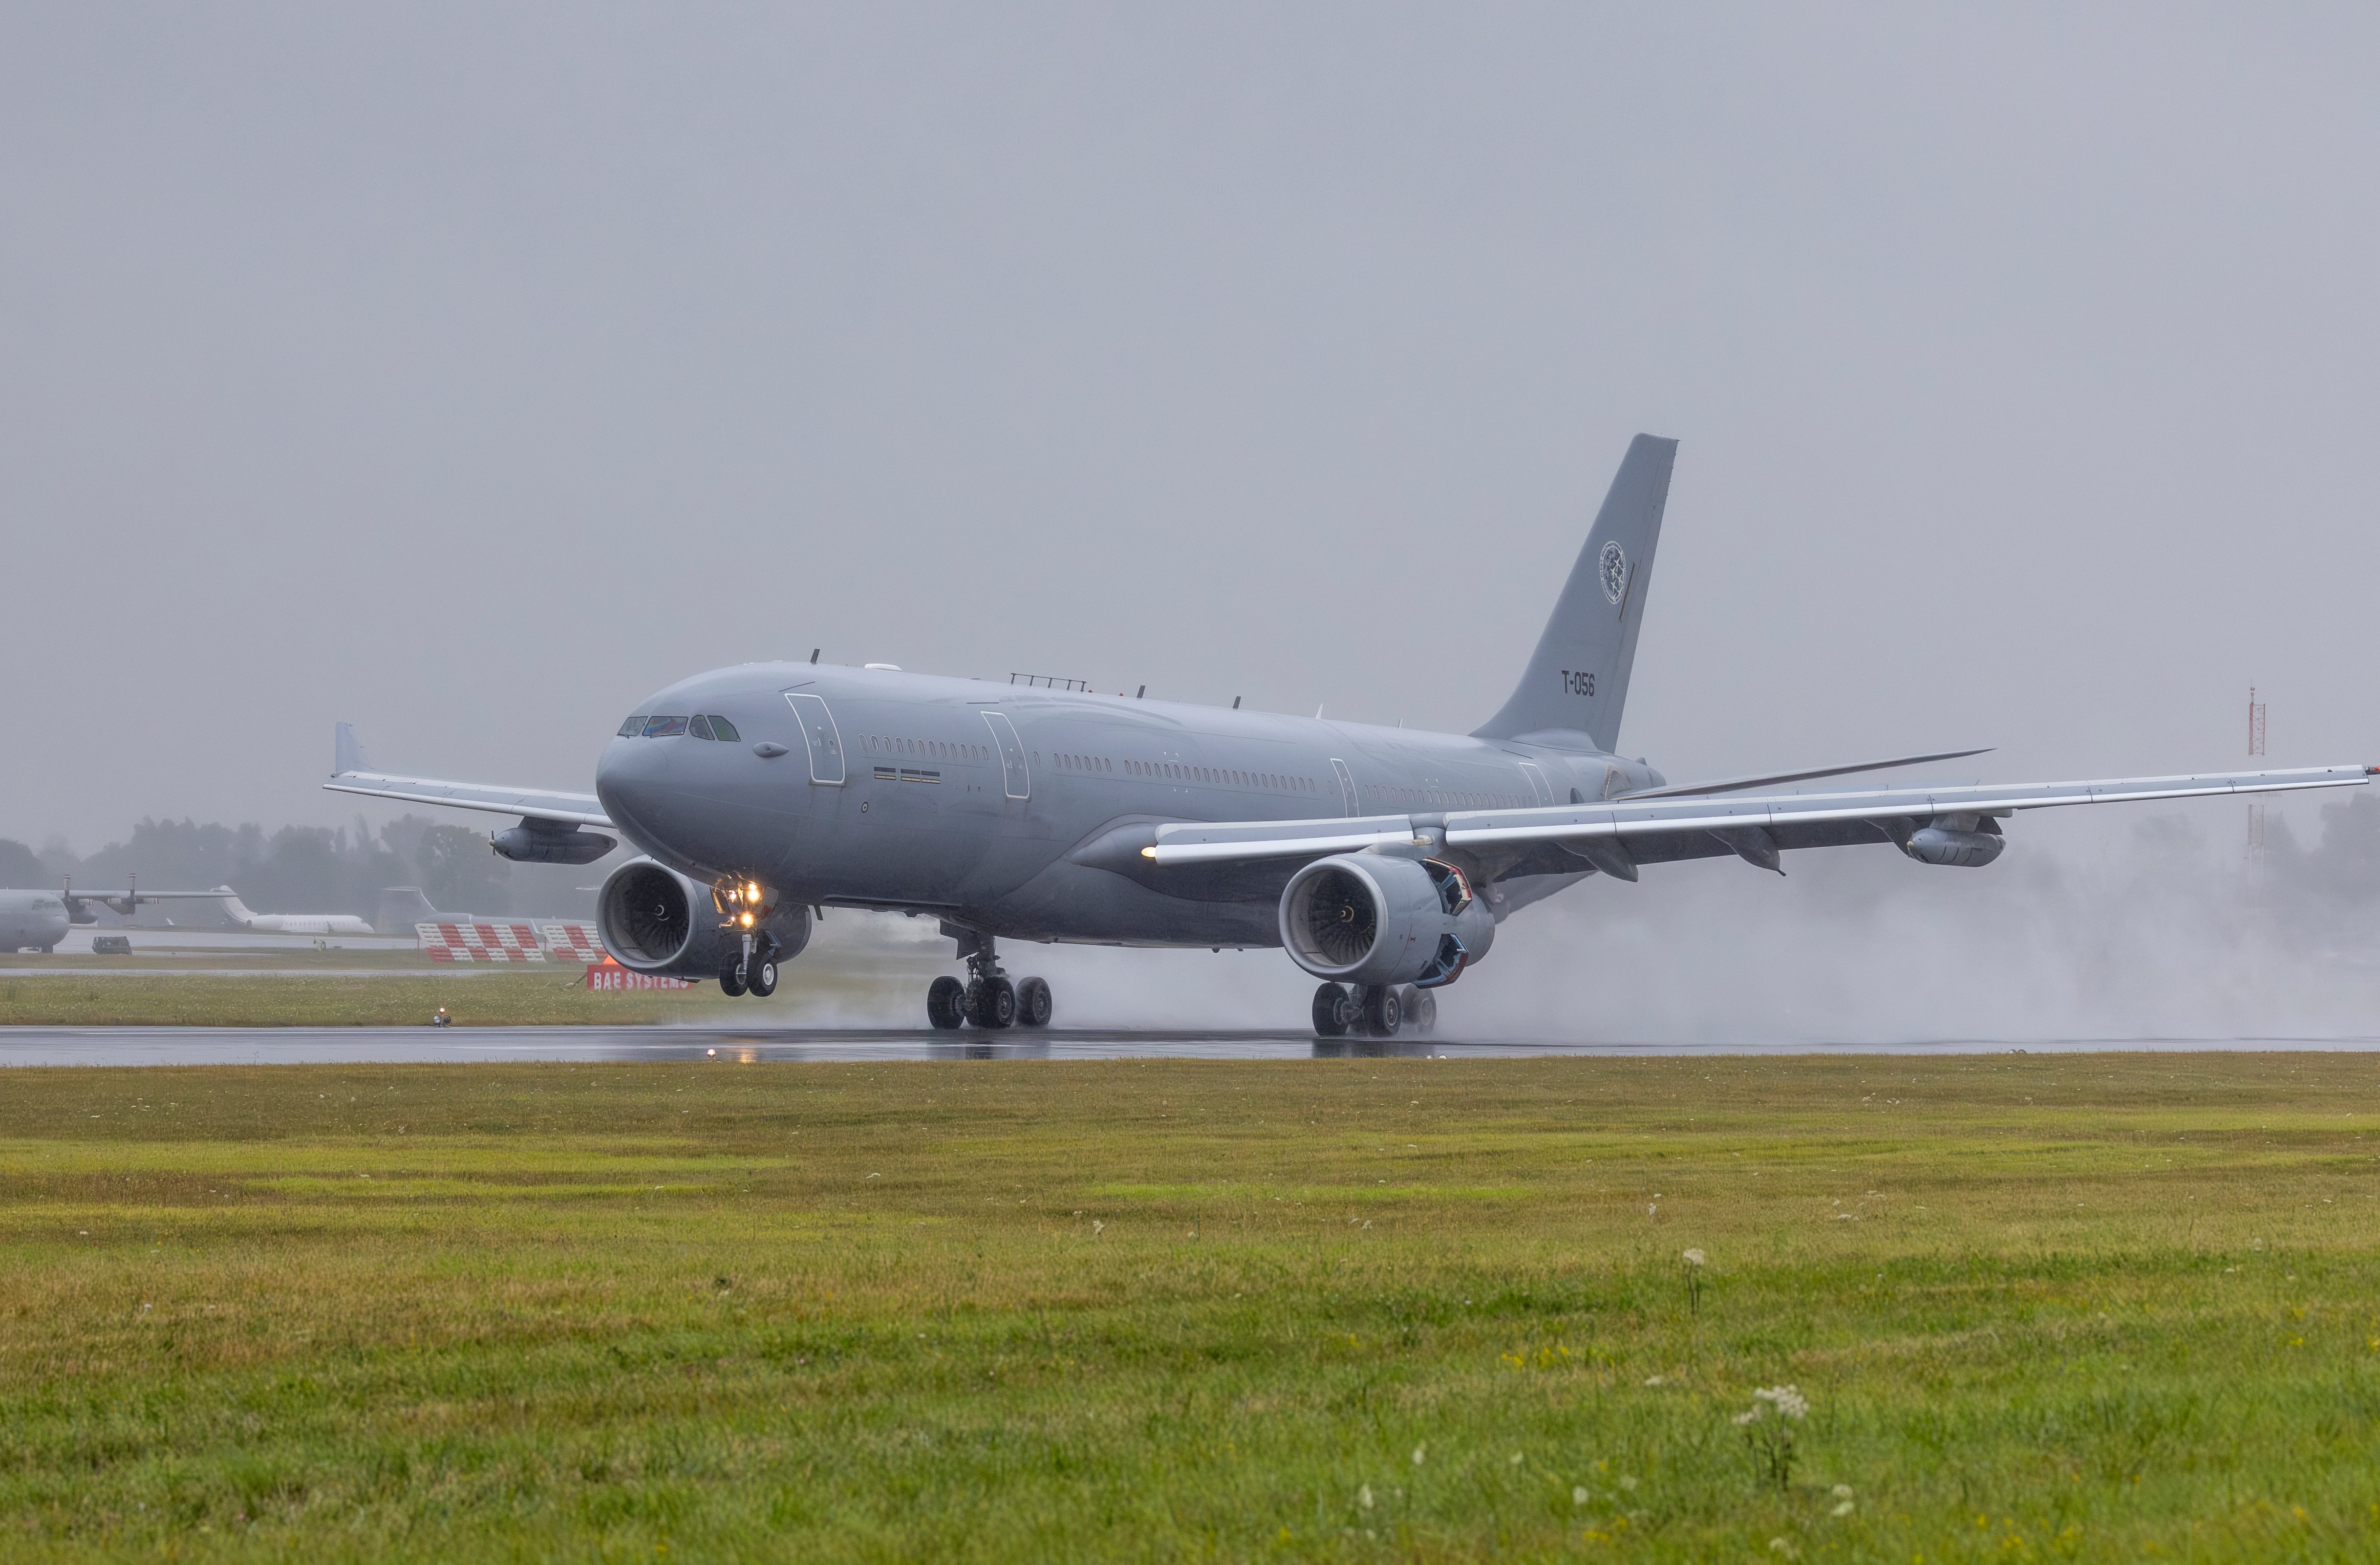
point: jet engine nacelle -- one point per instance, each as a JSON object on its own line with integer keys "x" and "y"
{"x": 550, "y": 842}
{"x": 1962, "y": 842}
{"x": 1365, "y": 918}
{"x": 653, "y": 919}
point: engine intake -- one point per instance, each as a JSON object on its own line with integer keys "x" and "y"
{"x": 1364, "y": 919}
{"x": 653, "y": 919}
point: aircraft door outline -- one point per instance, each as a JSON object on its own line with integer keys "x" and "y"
{"x": 1543, "y": 790}
{"x": 1346, "y": 787}
{"x": 819, "y": 734}
{"x": 1014, "y": 777}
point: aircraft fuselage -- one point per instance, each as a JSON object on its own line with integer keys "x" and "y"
{"x": 1014, "y": 810}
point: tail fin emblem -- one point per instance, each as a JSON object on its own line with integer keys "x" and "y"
{"x": 1614, "y": 570}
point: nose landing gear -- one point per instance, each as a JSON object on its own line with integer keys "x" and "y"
{"x": 1373, "y": 1010}
{"x": 987, "y": 999}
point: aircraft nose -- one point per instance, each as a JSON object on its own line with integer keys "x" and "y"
{"x": 629, "y": 780}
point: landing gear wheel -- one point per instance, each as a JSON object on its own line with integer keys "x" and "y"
{"x": 946, "y": 1003}
{"x": 761, "y": 978}
{"x": 731, "y": 980}
{"x": 1033, "y": 1004}
{"x": 1334, "y": 1011}
{"x": 999, "y": 1003}
{"x": 971, "y": 1003}
{"x": 1383, "y": 1011}
{"x": 1421, "y": 1012}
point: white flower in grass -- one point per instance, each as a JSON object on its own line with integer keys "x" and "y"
{"x": 1843, "y": 1491}
{"x": 1578, "y": 1495}
{"x": 1844, "y": 1507}
{"x": 1364, "y": 1497}
{"x": 1694, "y": 1257}
{"x": 1751, "y": 1415}
{"x": 1419, "y": 1453}
{"x": 1788, "y": 1401}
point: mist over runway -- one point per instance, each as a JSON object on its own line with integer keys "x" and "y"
{"x": 27, "y": 1047}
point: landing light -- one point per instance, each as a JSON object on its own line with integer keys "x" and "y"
{"x": 747, "y": 920}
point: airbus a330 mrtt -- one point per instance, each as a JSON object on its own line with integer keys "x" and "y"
{"x": 1382, "y": 860}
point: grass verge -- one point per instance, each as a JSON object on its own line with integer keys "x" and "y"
{"x": 2078, "y": 1306}
{"x": 540, "y": 996}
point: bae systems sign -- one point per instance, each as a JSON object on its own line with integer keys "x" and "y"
{"x": 612, "y": 976}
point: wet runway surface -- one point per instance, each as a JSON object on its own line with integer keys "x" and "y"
{"x": 299, "y": 1046}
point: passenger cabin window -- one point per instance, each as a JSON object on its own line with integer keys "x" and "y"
{"x": 664, "y": 727}
{"x": 722, "y": 729}
{"x": 632, "y": 727}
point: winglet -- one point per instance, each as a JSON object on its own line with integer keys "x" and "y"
{"x": 346, "y": 753}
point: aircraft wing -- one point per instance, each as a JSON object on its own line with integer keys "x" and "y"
{"x": 541, "y": 804}
{"x": 351, "y": 773}
{"x": 1717, "y": 817}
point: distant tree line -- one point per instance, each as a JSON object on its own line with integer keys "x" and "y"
{"x": 313, "y": 869}
{"x": 338, "y": 870}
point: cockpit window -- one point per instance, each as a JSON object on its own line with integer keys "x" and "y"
{"x": 699, "y": 727}
{"x": 724, "y": 729}
{"x": 664, "y": 727}
{"x": 632, "y": 727}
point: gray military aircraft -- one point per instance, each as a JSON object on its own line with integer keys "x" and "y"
{"x": 1381, "y": 859}
{"x": 40, "y": 919}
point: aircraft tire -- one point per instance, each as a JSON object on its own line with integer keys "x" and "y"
{"x": 999, "y": 1003}
{"x": 1334, "y": 1011}
{"x": 760, "y": 981}
{"x": 731, "y": 980}
{"x": 1384, "y": 1011}
{"x": 946, "y": 1003}
{"x": 1033, "y": 1003}
{"x": 1421, "y": 1012}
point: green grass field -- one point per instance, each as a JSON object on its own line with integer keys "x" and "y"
{"x": 539, "y": 996}
{"x": 2097, "y": 1308}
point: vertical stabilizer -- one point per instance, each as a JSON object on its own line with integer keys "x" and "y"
{"x": 1577, "y": 681}
{"x": 401, "y": 907}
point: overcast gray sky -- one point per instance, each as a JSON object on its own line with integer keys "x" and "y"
{"x": 469, "y": 372}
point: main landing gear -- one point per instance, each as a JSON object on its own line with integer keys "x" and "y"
{"x": 1373, "y": 1010}
{"x": 754, "y": 975}
{"x": 987, "y": 999}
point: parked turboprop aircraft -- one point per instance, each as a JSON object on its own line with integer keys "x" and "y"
{"x": 288, "y": 923}
{"x": 40, "y": 918}
{"x": 1381, "y": 859}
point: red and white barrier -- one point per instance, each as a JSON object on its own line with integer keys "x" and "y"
{"x": 479, "y": 942}
{"x": 573, "y": 942}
